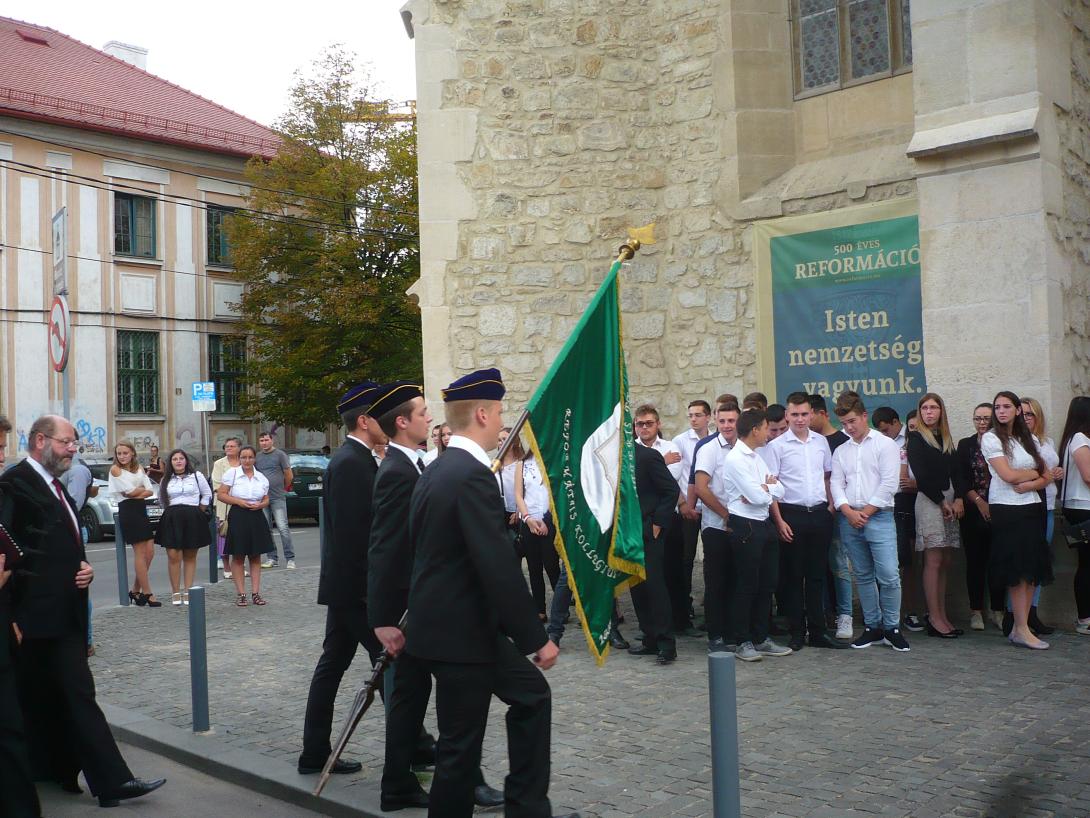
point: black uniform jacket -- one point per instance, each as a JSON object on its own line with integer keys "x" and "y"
{"x": 46, "y": 603}
{"x": 390, "y": 557}
{"x": 656, "y": 488}
{"x": 467, "y": 587}
{"x": 348, "y": 485}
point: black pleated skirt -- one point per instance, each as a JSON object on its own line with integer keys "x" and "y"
{"x": 133, "y": 516}
{"x": 248, "y": 533}
{"x": 184, "y": 527}
{"x": 1020, "y": 552}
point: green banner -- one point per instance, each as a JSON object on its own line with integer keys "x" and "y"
{"x": 580, "y": 428}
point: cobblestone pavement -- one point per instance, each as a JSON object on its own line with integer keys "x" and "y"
{"x": 972, "y": 727}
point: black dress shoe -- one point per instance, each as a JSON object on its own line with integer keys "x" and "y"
{"x": 617, "y": 640}
{"x": 71, "y": 785}
{"x": 486, "y": 796}
{"x": 130, "y": 789}
{"x": 717, "y": 645}
{"x": 823, "y": 640}
{"x": 340, "y": 767}
{"x": 933, "y": 631}
{"x": 643, "y": 650}
{"x": 408, "y": 800}
{"x": 666, "y": 657}
{"x": 796, "y": 643}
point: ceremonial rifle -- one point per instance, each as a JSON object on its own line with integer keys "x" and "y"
{"x": 364, "y": 698}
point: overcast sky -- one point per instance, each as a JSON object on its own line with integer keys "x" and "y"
{"x": 239, "y": 54}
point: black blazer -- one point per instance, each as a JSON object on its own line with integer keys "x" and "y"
{"x": 935, "y": 471}
{"x": 45, "y": 601}
{"x": 390, "y": 556}
{"x": 656, "y": 488}
{"x": 967, "y": 449}
{"x": 348, "y": 485}
{"x": 467, "y": 588}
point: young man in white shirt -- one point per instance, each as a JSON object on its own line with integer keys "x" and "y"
{"x": 679, "y": 564}
{"x": 754, "y": 546}
{"x": 866, "y": 474}
{"x": 801, "y": 461}
{"x": 718, "y": 571}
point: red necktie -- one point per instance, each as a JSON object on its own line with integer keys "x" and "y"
{"x": 67, "y": 511}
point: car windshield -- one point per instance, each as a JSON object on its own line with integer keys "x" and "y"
{"x": 100, "y": 471}
{"x": 309, "y": 461}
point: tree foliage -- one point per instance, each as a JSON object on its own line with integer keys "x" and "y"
{"x": 326, "y": 248}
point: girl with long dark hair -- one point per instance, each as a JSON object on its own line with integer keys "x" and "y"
{"x": 185, "y": 495}
{"x": 1075, "y": 454}
{"x": 1020, "y": 556}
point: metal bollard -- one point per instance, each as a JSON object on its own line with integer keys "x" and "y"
{"x": 122, "y": 564}
{"x": 723, "y": 702}
{"x": 213, "y": 554}
{"x": 198, "y": 659}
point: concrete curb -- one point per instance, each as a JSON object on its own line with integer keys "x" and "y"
{"x": 280, "y": 780}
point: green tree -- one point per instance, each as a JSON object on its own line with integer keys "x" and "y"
{"x": 326, "y": 248}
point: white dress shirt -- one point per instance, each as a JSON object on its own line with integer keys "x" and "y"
{"x": 48, "y": 478}
{"x": 1000, "y": 492}
{"x": 414, "y": 455}
{"x": 744, "y": 473}
{"x": 188, "y": 489}
{"x": 685, "y": 443}
{"x": 243, "y": 486}
{"x": 430, "y": 455}
{"x": 677, "y": 470}
{"x": 801, "y": 467}
{"x": 534, "y": 493}
{"x": 866, "y": 473}
{"x": 710, "y": 461}
{"x": 1076, "y": 492}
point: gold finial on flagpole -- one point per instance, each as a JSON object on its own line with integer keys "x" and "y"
{"x": 637, "y": 238}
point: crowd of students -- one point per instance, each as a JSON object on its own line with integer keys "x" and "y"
{"x": 793, "y": 514}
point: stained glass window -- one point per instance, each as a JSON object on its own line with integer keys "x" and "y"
{"x": 868, "y": 24}
{"x": 820, "y": 40}
{"x": 906, "y": 34}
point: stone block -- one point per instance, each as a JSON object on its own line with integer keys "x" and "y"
{"x": 579, "y": 233}
{"x": 723, "y": 306}
{"x": 707, "y": 354}
{"x": 521, "y": 234}
{"x": 485, "y": 247}
{"x": 690, "y": 297}
{"x": 940, "y": 70}
{"x": 501, "y": 206}
{"x": 603, "y": 136}
{"x": 530, "y": 68}
{"x": 538, "y": 206}
{"x": 573, "y": 275}
{"x": 496, "y": 346}
{"x": 497, "y": 319}
{"x": 586, "y": 32}
{"x": 646, "y": 326}
{"x": 521, "y": 364}
{"x": 1002, "y": 49}
{"x": 534, "y": 325}
{"x": 505, "y": 146}
{"x": 533, "y": 276}
{"x": 575, "y": 97}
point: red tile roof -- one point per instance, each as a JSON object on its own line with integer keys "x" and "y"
{"x": 51, "y": 77}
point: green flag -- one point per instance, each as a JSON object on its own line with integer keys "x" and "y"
{"x": 580, "y": 427}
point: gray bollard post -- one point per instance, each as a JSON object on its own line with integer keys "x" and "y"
{"x": 723, "y": 702}
{"x": 213, "y": 554}
{"x": 122, "y": 564}
{"x": 198, "y": 659}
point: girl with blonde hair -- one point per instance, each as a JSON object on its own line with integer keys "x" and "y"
{"x": 130, "y": 488}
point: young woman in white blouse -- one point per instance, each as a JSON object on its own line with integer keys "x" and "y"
{"x": 184, "y": 529}
{"x": 1034, "y": 416}
{"x": 130, "y": 488}
{"x": 1020, "y": 555}
{"x": 246, "y": 491}
{"x": 1075, "y": 496}
{"x": 538, "y": 531}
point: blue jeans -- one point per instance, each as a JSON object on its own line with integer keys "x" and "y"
{"x": 873, "y": 552}
{"x": 277, "y": 515}
{"x": 842, "y": 575}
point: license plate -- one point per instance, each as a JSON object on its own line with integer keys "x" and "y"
{"x": 155, "y": 512}
{"x": 314, "y": 486}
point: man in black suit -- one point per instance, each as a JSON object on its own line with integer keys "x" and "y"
{"x": 403, "y": 417}
{"x": 56, "y": 689}
{"x": 471, "y": 620}
{"x": 658, "y": 493}
{"x": 342, "y": 584}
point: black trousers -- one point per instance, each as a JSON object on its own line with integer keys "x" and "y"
{"x": 541, "y": 556}
{"x": 806, "y": 562}
{"x": 976, "y": 537}
{"x": 20, "y": 798}
{"x": 718, "y": 583}
{"x": 463, "y": 693}
{"x": 1082, "y": 573}
{"x": 345, "y": 630}
{"x": 678, "y": 582}
{"x": 651, "y": 599}
{"x": 57, "y": 695}
{"x": 756, "y": 555}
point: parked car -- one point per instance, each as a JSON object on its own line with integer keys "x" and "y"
{"x": 98, "y": 514}
{"x": 308, "y": 473}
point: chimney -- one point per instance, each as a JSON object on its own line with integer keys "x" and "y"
{"x": 132, "y": 54}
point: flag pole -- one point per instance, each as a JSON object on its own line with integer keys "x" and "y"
{"x": 624, "y": 253}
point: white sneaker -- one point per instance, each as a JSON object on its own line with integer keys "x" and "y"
{"x": 976, "y": 621}
{"x": 997, "y": 618}
{"x": 226, "y": 574}
{"x": 1082, "y": 628}
{"x": 844, "y": 627}
{"x": 291, "y": 565}
{"x": 267, "y": 563}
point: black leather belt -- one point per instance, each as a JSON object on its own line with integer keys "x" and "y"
{"x": 807, "y": 509}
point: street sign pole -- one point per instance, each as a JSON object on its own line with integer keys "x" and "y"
{"x": 60, "y": 290}
{"x": 204, "y": 401}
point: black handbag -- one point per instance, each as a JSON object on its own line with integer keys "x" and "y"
{"x": 1076, "y": 534}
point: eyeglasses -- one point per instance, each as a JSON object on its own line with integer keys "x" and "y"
{"x": 645, "y": 423}
{"x": 1028, "y": 415}
{"x": 982, "y": 420}
{"x": 67, "y": 442}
